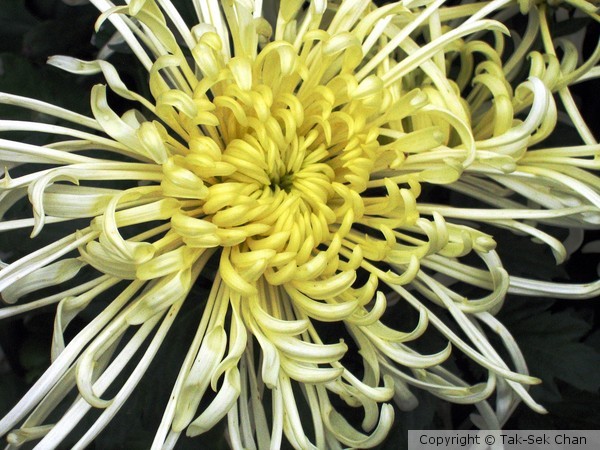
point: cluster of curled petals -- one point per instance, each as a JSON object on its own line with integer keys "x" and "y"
{"x": 291, "y": 156}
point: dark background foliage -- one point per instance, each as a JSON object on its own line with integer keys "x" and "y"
{"x": 560, "y": 339}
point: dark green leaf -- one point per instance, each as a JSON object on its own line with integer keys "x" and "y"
{"x": 70, "y": 36}
{"x": 34, "y": 357}
{"x": 577, "y": 410}
{"x": 15, "y": 20}
{"x": 42, "y": 82}
{"x": 421, "y": 418}
{"x": 552, "y": 343}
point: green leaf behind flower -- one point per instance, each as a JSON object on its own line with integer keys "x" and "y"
{"x": 554, "y": 345}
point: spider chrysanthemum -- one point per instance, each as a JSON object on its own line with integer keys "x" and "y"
{"x": 285, "y": 159}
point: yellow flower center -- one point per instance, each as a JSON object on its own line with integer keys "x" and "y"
{"x": 275, "y": 161}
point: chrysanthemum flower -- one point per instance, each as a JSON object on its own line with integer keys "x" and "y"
{"x": 285, "y": 160}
